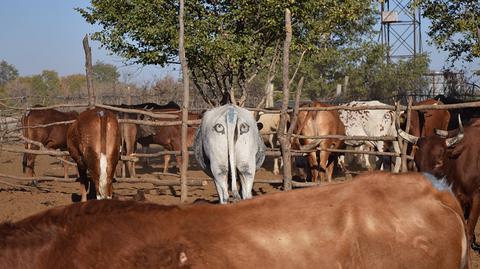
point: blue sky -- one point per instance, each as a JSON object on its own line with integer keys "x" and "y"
{"x": 38, "y": 35}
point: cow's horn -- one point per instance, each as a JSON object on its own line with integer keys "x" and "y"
{"x": 441, "y": 133}
{"x": 410, "y": 138}
{"x": 454, "y": 140}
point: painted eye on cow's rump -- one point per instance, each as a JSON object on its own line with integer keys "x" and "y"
{"x": 244, "y": 128}
{"x": 219, "y": 128}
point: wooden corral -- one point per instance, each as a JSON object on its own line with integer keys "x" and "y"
{"x": 13, "y": 135}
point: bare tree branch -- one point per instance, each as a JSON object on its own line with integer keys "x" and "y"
{"x": 298, "y": 66}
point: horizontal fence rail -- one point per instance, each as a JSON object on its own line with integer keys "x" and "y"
{"x": 172, "y": 118}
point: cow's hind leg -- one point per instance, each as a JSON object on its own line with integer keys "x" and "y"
{"x": 29, "y": 161}
{"x": 313, "y": 163}
{"x": 472, "y": 221}
{"x": 220, "y": 176}
{"x": 327, "y": 169}
{"x": 246, "y": 178}
{"x": 166, "y": 161}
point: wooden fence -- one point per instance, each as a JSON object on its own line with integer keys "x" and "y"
{"x": 199, "y": 182}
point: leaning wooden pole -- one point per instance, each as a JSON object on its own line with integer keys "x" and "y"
{"x": 282, "y": 136}
{"x": 404, "y": 147}
{"x": 186, "y": 100}
{"x": 89, "y": 72}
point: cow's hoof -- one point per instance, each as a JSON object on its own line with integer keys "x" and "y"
{"x": 476, "y": 247}
{"x": 33, "y": 183}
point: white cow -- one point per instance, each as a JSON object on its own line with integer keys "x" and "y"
{"x": 370, "y": 123}
{"x": 228, "y": 137}
{"x": 268, "y": 123}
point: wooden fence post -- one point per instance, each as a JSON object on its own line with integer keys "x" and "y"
{"x": 183, "y": 61}
{"x": 89, "y": 72}
{"x": 282, "y": 137}
{"x": 404, "y": 147}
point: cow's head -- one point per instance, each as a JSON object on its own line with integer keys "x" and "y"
{"x": 432, "y": 151}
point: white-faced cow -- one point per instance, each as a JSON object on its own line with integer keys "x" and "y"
{"x": 52, "y": 136}
{"x": 93, "y": 141}
{"x": 370, "y": 123}
{"x": 456, "y": 158}
{"x": 268, "y": 125}
{"x": 377, "y": 221}
{"x": 228, "y": 141}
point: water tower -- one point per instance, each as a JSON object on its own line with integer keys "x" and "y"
{"x": 400, "y": 29}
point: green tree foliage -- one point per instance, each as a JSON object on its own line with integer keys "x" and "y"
{"x": 103, "y": 72}
{"x": 74, "y": 84}
{"x": 227, "y": 42}
{"x": 8, "y": 72}
{"x": 46, "y": 84}
{"x": 455, "y": 26}
{"x": 369, "y": 76}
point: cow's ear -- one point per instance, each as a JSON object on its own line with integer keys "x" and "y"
{"x": 259, "y": 125}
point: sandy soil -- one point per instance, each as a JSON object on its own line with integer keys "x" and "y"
{"x": 19, "y": 199}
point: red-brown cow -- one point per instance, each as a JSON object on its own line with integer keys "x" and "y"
{"x": 424, "y": 122}
{"x": 131, "y": 132}
{"x": 378, "y": 220}
{"x": 456, "y": 158}
{"x": 52, "y": 137}
{"x": 94, "y": 143}
{"x": 316, "y": 123}
{"x": 170, "y": 138}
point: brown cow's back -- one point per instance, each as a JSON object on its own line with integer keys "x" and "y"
{"x": 424, "y": 123}
{"x": 316, "y": 123}
{"x": 85, "y": 138}
{"x": 52, "y": 137}
{"x": 378, "y": 220}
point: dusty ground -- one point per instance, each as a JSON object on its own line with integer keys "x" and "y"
{"x": 22, "y": 200}
{"x": 18, "y": 199}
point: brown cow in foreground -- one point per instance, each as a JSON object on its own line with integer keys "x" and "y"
{"x": 52, "y": 137}
{"x": 457, "y": 158}
{"x": 94, "y": 143}
{"x": 378, "y": 220}
{"x": 316, "y": 123}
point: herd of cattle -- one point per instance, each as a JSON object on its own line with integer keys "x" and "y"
{"x": 378, "y": 220}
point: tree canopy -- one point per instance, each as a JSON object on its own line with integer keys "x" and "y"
{"x": 455, "y": 26}
{"x": 227, "y": 42}
{"x": 8, "y": 72}
{"x": 103, "y": 72}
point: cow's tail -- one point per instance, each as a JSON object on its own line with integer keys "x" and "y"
{"x": 232, "y": 117}
{"x": 102, "y": 180}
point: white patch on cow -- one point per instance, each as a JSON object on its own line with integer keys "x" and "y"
{"x": 102, "y": 185}
{"x": 464, "y": 250}
{"x": 182, "y": 258}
